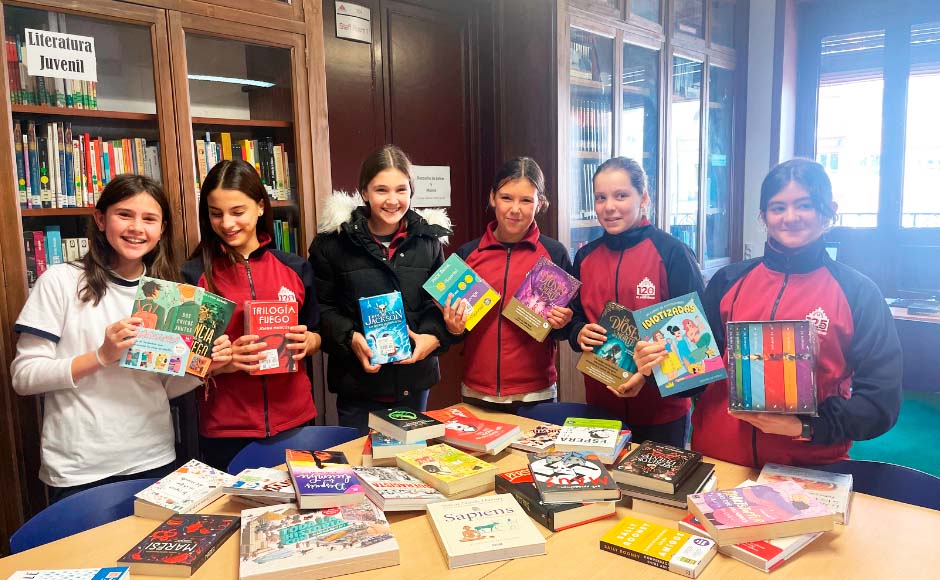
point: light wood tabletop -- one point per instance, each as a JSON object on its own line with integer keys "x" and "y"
{"x": 884, "y": 539}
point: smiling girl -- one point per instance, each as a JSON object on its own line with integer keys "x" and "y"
{"x": 235, "y": 260}
{"x": 102, "y": 423}
{"x": 636, "y": 265}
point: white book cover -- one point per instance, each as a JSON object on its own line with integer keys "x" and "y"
{"x": 588, "y": 434}
{"x": 394, "y": 484}
{"x": 538, "y": 440}
{"x": 833, "y": 490}
{"x": 263, "y": 481}
{"x": 482, "y": 529}
{"x": 115, "y": 573}
{"x": 188, "y": 488}
{"x": 280, "y": 540}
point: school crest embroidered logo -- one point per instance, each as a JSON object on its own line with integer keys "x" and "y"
{"x": 286, "y": 295}
{"x": 645, "y": 290}
{"x": 820, "y": 321}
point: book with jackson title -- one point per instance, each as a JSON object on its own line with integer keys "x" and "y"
{"x": 385, "y": 328}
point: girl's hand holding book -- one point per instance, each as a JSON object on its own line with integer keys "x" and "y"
{"x": 455, "y": 316}
{"x": 305, "y": 342}
{"x": 118, "y": 337}
{"x": 630, "y": 388}
{"x": 425, "y": 344}
{"x": 362, "y": 351}
{"x": 559, "y": 316}
{"x": 221, "y": 354}
{"x": 646, "y": 355}
{"x": 591, "y": 335}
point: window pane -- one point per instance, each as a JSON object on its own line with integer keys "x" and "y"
{"x": 848, "y": 125}
{"x": 690, "y": 14}
{"x": 718, "y": 176}
{"x": 639, "y": 134}
{"x": 723, "y": 14}
{"x": 648, "y": 9}
{"x": 920, "y": 207}
{"x": 686, "y": 110}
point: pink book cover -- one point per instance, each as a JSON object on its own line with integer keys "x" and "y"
{"x": 758, "y": 505}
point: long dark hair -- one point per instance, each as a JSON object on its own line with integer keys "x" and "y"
{"x": 810, "y": 175}
{"x": 522, "y": 168}
{"x": 240, "y": 176}
{"x": 160, "y": 262}
{"x": 388, "y": 157}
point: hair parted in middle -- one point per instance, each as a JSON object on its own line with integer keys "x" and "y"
{"x": 388, "y": 157}
{"x": 522, "y": 168}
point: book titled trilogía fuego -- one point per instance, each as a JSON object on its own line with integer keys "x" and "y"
{"x": 271, "y": 320}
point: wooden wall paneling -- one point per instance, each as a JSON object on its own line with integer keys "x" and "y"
{"x": 737, "y": 216}
{"x": 232, "y": 10}
{"x": 319, "y": 109}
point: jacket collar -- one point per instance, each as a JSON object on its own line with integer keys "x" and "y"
{"x": 629, "y": 238}
{"x": 264, "y": 242}
{"x": 489, "y": 241}
{"x": 795, "y": 261}
{"x": 415, "y": 225}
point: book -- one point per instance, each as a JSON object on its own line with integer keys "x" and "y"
{"x": 450, "y": 471}
{"x": 113, "y": 573}
{"x": 694, "y": 483}
{"x": 282, "y": 542}
{"x": 405, "y": 425}
{"x": 765, "y": 555}
{"x": 457, "y": 278}
{"x": 323, "y": 479}
{"x": 679, "y": 552}
{"x": 465, "y": 430}
{"x": 214, "y": 315}
{"x": 553, "y": 516}
{"x": 180, "y": 545}
{"x": 484, "y": 529}
{"x": 656, "y": 466}
{"x": 157, "y": 351}
{"x": 546, "y": 286}
{"x": 590, "y": 435}
{"x": 759, "y": 512}
{"x": 394, "y": 489}
{"x": 692, "y": 358}
{"x": 385, "y": 328}
{"x": 646, "y": 507}
{"x": 264, "y": 483}
{"x": 368, "y": 460}
{"x": 772, "y": 366}
{"x": 612, "y": 362}
{"x": 271, "y": 320}
{"x": 188, "y": 489}
{"x": 539, "y": 439}
{"x": 384, "y": 447}
{"x": 623, "y": 442}
{"x": 570, "y": 476}
{"x": 833, "y": 490}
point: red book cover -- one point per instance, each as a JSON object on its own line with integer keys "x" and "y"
{"x": 774, "y": 397}
{"x": 270, "y": 320}
{"x": 464, "y": 429}
{"x": 181, "y": 543}
{"x": 39, "y": 250}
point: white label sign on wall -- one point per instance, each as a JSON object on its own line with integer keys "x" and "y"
{"x": 432, "y": 185}
{"x": 61, "y": 56}
{"x": 353, "y": 22}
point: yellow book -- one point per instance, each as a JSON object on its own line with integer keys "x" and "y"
{"x": 450, "y": 471}
{"x": 246, "y": 150}
{"x": 659, "y": 546}
{"x": 227, "y": 146}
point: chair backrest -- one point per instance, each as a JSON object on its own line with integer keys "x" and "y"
{"x": 556, "y": 413}
{"x": 270, "y": 452}
{"x": 79, "y": 512}
{"x": 890, "y": 481}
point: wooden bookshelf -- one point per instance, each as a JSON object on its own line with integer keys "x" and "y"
{"x": 241, "y": 122}
{"x": 282, "y": 203}
{"x": 92, "y": 113}
{"x": 57, "y": 211}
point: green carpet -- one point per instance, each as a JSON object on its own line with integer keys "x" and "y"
{"x": 913, "y": 441}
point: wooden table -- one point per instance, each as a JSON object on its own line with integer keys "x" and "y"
{"x": 884, "y": 539}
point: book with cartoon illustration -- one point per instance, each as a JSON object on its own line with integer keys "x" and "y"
{"x": 484, "y": 529}
{"x": 457, "y": 278}
{"x": 539, "y": 439}
{"x": 545, "y": 286}
{"x": 270, "y": 321}
{"x": 612, "y": 362}
{"x": 450, "y": 471}
{"x": 385, "y": 328}
{"x": 833, "y": 490}
{"x": 265, "y": 484}
{"x": 665, "y": 548}
{"x": 394, "y": 489}
{"x": 553, "y": 516}
{"x": 322, "y": 479}
{"x": 570, "y": 476}
{"x": 169, "y": 312}
{"x": 589, "y": 435}
{"x": 692, "y": 357}
{"x": 188, "y": 489}
{"x": 215, "y": 313}
{"x": 465, "y": 430}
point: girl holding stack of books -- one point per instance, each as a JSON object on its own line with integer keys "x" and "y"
{"x": 368, "y": 245}
{"x": 505, "y": 368}
{"x": 235, "y": 259}
{"x": 102, "y": 423}
{"x": 635, "y": 265}
{"x": 858, "y": 365}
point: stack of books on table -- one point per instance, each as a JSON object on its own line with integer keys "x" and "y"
{"x": 394, "y": 489}
{"x": 380, "y": 450}
{"x": 394, "y": 431}
{"x": 323, "y": 479}
{"x": 603, "y": 437}
{"x": 190, "y": 488}
{"x": 452, "y": 472}
{"x": 465, "y": 430}
{"x": 261, "y": 486}
{"x": 658, "y": 478}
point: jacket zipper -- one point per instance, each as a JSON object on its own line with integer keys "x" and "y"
{"x": 617, "y": 278}
{"x": 499, "y": 328}
{"x": 773, "y": 315}
{"x": 264, "y": 383}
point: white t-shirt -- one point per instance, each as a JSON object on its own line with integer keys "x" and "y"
{"x": 114, "y": 421}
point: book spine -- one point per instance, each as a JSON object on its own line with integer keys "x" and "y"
{"x": 805, "y": 383}
{"x": 39, "y": 252}
{"x": 789, "y": 368}
{"x": 69, "y": 172}
{"x": 61, "y": 180}
{"x": 30, "y": 252}
{"x": 773, "y": 368}
{"x": 99, "y": 164}
{"x": 535, "y": 511}
{"x": 745, "y": 394}
{"x": 20, "y": 165}
{"x": 756, "y": 342}
{"x": 34, "y": 171}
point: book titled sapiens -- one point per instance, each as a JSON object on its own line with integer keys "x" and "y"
{"x": 385, "y": 328}
{"x": 456, "y": 278}
{"x": 546, "y": 286}
{"x": 271, "y": 320}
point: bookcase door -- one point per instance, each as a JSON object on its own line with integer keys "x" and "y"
{"x": 241, "y": 93}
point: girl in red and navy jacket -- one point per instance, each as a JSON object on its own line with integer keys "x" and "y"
{"x": 858, "y": 372}
{"x": 505, "y": 368}
{"x": 235, "y": 260}
{"x": 636, "y": 265}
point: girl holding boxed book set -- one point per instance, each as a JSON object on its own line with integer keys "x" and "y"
{"x": 369, "y": 245}
{"x": 236, "y": 259}
{"x": 102, "y": 423}
{"x": 635, "y": 265}
{"x": 505, "y": 368}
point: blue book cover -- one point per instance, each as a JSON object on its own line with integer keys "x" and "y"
{"x": 385, "y": 328}
{"x": 692, "y": 357}
{"x": 53, "y": 245}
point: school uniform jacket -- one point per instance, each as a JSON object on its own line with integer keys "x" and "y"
{"x": 502, "y": 359}
{"x": 238, "y": 404}
{"x": 636, "y": 268}
{"x": 858, "y": 372}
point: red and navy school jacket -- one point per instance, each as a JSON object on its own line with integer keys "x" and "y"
{"x": 636, "y": 268}
{"x": 243, "y": 405}
{"x": 501, "y": 358}
{"x": 858, "y": 371}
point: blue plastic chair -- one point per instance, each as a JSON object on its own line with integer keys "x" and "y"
{"x": 270, "y": 452}
{"x": 890, "y": 481}
{"x": 556, "y": 413}
{"x": 77, "y": 513}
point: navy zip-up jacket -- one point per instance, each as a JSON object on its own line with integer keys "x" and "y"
{"x": 858, "y": 371}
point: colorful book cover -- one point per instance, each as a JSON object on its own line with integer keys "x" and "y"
{"x": 386, "y": 485}
{"x": 656, "y": 466}
{"x": 595, "y": 435}
{"x": 188, "y": 488}
{"x": 214, "y": 315}
{"x": 571, "y": 476}
{"x": 271, "y": 320}
{"x": 385, "y": 327}
{"x": 283, "y": 541}
{"x": 444, "y": 467}
{"x": 539, "y": 439}
{"x": 553, "y": 516}
{"x": 262, "y": 481}
{"x": 833, "y": 490}
{"x": 463, "y": 429}
{"x": 384, "y": 446}
{"x": 679, "y": 552}
{"x": 692, "y": 358}
{"x": 772, "y": 366}
{"x": 455, "y": 277}
{"x": 182, "y": 543}
{"x": 319, "y": 476}
{"x": 612, "y": 362}
{"x": 546, "y": 286}
{"x": 114, "y": 573}
{"x": 157, "y": 351}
